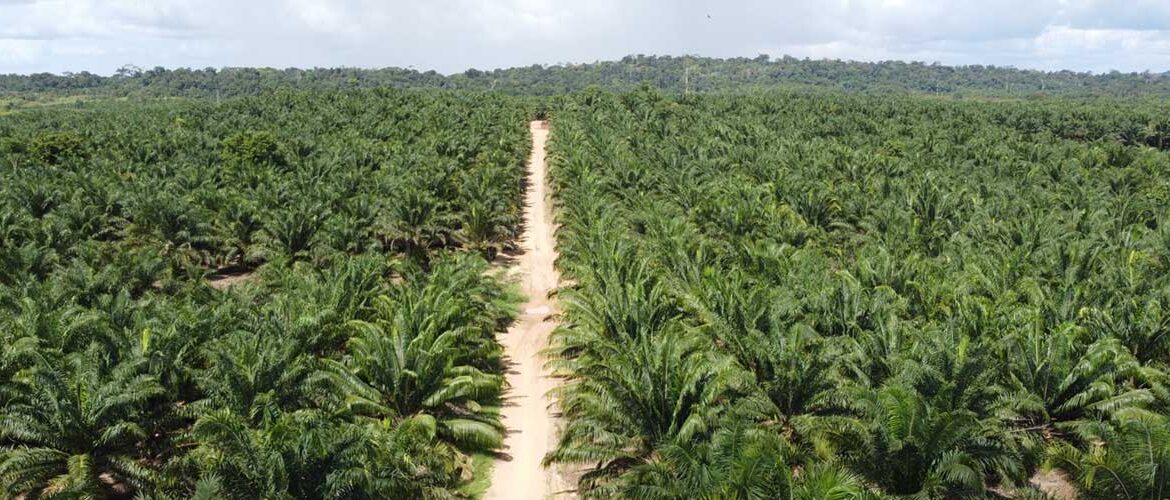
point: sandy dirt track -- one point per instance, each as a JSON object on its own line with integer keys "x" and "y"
{"x": 528, "y": 412}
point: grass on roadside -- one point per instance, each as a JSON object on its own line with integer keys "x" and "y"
{"x": 481, "y": 467}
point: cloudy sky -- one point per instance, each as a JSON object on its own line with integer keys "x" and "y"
{"x": 453, "y": 35}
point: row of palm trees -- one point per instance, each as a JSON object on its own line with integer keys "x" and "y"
{"x": 289, "y": 176}
{"x": 288, "y": 399}
{"x": 818, "y": 296}
{"x": 358, "y": 361}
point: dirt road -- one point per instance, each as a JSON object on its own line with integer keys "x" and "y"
{"x": 528, "y": 411}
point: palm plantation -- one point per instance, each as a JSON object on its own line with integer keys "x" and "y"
{"x": 774, "y": 294}
{"x": 802, "y": 295}
{"x": 355, "y": 359}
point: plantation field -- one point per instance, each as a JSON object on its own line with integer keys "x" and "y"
{"x": 353, "y": 354}
{"x": 811, "y": 295}
{"x": 760, "y": 294}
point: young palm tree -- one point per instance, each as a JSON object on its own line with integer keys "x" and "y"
{"x": 741, "y": 461}
{"x": 292, "y": 232}
{"x": 416, "y": 222}
{"x": 415, "y": 357}
{"x": 403, "y": 461}
{"x": 484, "y": 229}
{"x": 1059, "y": 382}
{"x": 630, "y": 397}
{"x": 1129, "y": 456}
{"x": 76, "y": 428}
{"x": 287, "y": 457}
{"x": 257, "y": 376}
{"x": 914, "y": 448}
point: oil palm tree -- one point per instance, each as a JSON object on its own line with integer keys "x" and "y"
{"x": 630, "y": 397}
{"x": 257, "y": 376}
{"x": 403, "y": 460}
{"x": 913, "y": 448}
{"x": 415, "y": 222}
{"x": 740, "y": 461}
{"x": 292, "y": 232}
{"x": 1129, "y": 456}
{"x": 407, "y": 361}
{"x": 484, "y": 228}
{"x": 76, "y": 428}
{"x": 1060, "y": 381}
{"x": 289, "y": 456}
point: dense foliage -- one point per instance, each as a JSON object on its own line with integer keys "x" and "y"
{"x": 676, "y": 74}
{"x": 356, "y": 360}
{"x": 796, "y": 295}
{"x": 793, "y": 293}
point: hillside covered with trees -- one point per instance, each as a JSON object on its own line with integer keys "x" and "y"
{"x": 673, "y": 74}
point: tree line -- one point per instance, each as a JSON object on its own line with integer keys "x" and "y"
{"x": 679, "y": 74}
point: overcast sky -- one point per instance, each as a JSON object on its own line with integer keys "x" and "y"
{"x": 453, "y": 35}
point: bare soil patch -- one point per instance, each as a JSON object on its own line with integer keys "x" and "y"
{"x": 1055, "y": 483}
{"x": 225, "y": 280}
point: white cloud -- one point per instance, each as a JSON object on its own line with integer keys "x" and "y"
{"x": 19, "y": 52}
{"x": 1117, "y": 14}
{"x": 517, "y": 19}
{"x": 323, "y": 16}
{"x": 1101, "y": 49}
{"x": 451, "y": 35}
{"x": 931, "y": 20}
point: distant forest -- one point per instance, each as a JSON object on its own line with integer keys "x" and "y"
{"x": 673, "y": 74}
